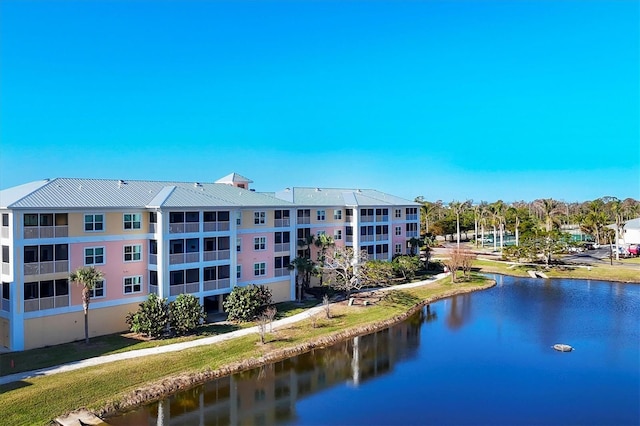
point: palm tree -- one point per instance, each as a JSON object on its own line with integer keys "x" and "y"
{"x": 87, "y": 277}
{"x": 323, "y": 242}
{"x": 458, "y": 208}
{"x": 549, "y": 210}
{"x": 497, "y": 219}
{"x": 617, "y": 210}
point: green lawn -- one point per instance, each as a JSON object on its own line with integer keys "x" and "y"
{"x": 114, "y": 343}
{"x": 38, "y": 400}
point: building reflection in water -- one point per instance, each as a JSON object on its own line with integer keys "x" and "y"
{"x": 267, "y": 395}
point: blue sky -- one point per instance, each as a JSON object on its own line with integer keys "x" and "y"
{"x": 482, "y": 100}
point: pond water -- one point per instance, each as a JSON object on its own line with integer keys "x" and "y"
{"x": 484, "y": 358}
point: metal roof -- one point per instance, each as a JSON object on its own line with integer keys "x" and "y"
{"x": 341, "y": 197}
{"x": 110, "y": 193}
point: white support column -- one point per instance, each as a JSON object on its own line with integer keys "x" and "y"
{"x": 163, "y": 253}
{"x": 16, "y": 289}
{"x": 233, "y": 238}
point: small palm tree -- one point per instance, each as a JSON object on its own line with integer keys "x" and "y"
{"x": 87, "y": 277}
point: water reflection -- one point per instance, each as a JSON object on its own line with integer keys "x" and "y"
{"x": 459, "y": 311}
{"x": 268, "y": 394}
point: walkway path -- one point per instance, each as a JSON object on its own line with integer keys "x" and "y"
{"x": 76, "y": 365}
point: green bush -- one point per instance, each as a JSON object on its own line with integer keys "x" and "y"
{"x": 151, "y": 318}
{"x": 186, "y": 314}
{"x": 246, "y": 303}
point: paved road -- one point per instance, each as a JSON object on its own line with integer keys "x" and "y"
{"x": 183, "y": 345}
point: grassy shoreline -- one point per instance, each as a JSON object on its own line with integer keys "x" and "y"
{"x": 109, "y": 388}
{"x": 624, "y": 273}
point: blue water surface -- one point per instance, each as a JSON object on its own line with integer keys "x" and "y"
{"x": 484, "y": 358}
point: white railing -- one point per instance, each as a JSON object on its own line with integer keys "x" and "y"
{"x": 31, "y": 232}
{"x": 349, "y": 238}
{"x": 176, "y": 259}
{"x": 412, "y": 217}
{"x": 216, "y": 226}
{"x": 366, "y": 218}
{"x": 281, "y": 223}
{"x": 46, "y": 267}
{"x": 6, "y": 268}
{"x": 280, "y": 247}
{"x": 175, "y": 290}
{"x": 382, "y": 218}
{"x": 412, "y": 234}
{"x": 210, "y": 256}
{"x": 382, "y": 237}
{"x": 6, "y": 305}
{"x": 365, "y": 238}
{"x": 217, "y": 284}
{"x": 153, "y": 227}
{"x": 304, "y": 220}
{"x": 281, "y": 272}
{"x": 153, "y": 289}
{"x": 153, "y": 259}
{"x": 46, "y": 303}
{"x": 4, "y": 232}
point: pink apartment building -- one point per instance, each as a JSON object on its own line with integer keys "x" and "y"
{"x": 167, "y": 238}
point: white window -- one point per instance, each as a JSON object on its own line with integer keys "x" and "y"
{"x": 94, "y": 256}
{"x": 238, "y": 244}
{"x": 98, "y": 290}
{"x": 94, "y": 222}
{"x": 259, "y": 218}
{"x": 337, "y": 214}
{"x": 337, "y": 234}
{"x": 260, "y": 243}
{"x": 398, "y": 230}
{"x": 132, "y": 284}
{"x": 238, "y": 218}
{"x": 132, "y": 221}
{"x": 398, "y": 248}
{"x": 133, "y": 253}
{"x": 239, "y": 271}
{"x": 260, "y": 269}
{"x": 398, "y": 213}
{"x": 320, "y": 215}
{"x": 320, "y": 233}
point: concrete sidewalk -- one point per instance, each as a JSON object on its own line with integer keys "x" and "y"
{"x": 76, "y": 365}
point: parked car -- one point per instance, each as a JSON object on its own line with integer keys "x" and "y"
{"x": 634, "y": 250}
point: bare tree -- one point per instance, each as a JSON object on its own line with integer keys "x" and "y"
{"x": 262, "y": 320}
{"x": 453, "y": 263}
{"x": 327, "y": 306}
{"x": 343, "y": 267}
{"x": 466, "y": 261}
{"x": 270, "y": 313}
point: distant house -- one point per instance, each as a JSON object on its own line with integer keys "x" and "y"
{"x": 631, "y": 232}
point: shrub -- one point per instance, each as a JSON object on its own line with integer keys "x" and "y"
{"x": 151, "y": 318}
{"x": 246, "y": 303}
{"x": 186, "y": 314}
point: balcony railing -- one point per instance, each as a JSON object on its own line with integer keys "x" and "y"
{"x": 46, "y": 267}
{"x": 382, "y": 218}
{"x": 280, "y": 247}
{"x": 6, "y": 268}
{"x": 217, "y": 284}
{"x": 349, "y": 238}
{"x": 183, "y": 228}
{"x": 189, "y": 288}
{"x": 304, "y": 220}
{"x": 175, "y": 259}
{"x": 216, "y": 226}
{"x": 210, "y": 256}
{"x": 153, "y": 259}
{"x": 6, "y": 305}
{"x": 4, "y": 232}
{"x": 366, "y": 218}
{"x": 153, "y": 227}
{"x": 412, "y": 234}
{"x": 281, "y": 272}
{"x": 382, "y": 237}
{"x": 412, "y": 217}
{"x": 365, "y": 238}
{"x": 46, "y": 303}
{"x": 31, "y": 232}
{"x": 282, "y": 223}
{"x": 153, "y": 289}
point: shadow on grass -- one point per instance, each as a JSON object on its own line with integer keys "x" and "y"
{"x": 399, "y": 297}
